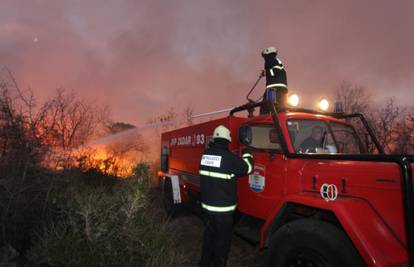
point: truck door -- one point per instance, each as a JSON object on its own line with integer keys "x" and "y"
{"x": 262, "y": 189}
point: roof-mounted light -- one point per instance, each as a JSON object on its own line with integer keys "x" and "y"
{"x": 324, "y": 105}
{"x": 293, "y": 100}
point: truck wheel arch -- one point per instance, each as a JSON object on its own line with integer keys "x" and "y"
{"x": 292, "y": 211}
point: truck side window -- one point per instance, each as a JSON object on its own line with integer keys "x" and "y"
{"x": 347, "y": 139}
{"x": 264, "y": 137}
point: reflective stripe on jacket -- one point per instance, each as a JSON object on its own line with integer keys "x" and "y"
{"x": 218, "y": 209}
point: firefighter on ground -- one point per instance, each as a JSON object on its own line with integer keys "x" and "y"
{"x": 219, "y": 168}
{"x": 276, "y": 81}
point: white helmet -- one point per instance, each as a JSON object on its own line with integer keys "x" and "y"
{"x": 222, "y": 132}
{"x": 269, "y": 50}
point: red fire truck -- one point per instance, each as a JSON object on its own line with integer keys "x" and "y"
{"x": 342, "y": 203}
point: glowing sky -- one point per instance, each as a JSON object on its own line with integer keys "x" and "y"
{"x": 142, "y": 57}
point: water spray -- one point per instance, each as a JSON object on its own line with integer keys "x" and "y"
{"x": 116, "y": 136}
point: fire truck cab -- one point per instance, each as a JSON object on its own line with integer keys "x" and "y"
{"x": 322, "y": 193}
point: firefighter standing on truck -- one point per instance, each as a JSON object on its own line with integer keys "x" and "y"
{"x": 276, "y": 80}
{"x": 219, "y": 168}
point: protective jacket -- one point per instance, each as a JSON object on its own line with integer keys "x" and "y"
{"x": 218, "y": 171}
{"x": 275, "y": 72}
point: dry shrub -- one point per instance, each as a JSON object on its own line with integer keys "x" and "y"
{"x": 101, "y": 227}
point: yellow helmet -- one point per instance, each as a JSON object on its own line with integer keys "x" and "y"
{"x": 222, "y": 132}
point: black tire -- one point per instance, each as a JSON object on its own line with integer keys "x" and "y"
{"x": 167, "y": 195}
{"x": 308, "y": 242}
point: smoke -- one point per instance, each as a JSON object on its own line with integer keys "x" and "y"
{"x": 125, "y": 134}
{"x": 150, "y": 126}
{"x": 142, "y": 57}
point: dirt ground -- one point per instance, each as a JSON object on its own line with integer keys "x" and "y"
{"x": 189, "y": 239}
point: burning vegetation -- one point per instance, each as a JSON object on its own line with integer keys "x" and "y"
{"x": 58, "y": 134}
{"x": 115, "y": 159}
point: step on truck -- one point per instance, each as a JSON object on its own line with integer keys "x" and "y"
{"x": 342, "y": 202}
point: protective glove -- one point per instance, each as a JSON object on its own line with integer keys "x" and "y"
{"x": 248, "y": 158}
{"x": 247, "y": 150}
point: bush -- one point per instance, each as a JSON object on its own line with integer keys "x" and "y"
{"x": 141, "y": 170}
{"x": 101, "y": 227}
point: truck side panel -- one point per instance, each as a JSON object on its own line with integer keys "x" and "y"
{"x": 187, "y": 144}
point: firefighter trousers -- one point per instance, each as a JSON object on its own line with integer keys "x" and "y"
{"x": 217, "y": 239}
{"x": 274, "y": 95}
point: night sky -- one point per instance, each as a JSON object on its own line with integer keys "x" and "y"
{"x": 142, "y": 57}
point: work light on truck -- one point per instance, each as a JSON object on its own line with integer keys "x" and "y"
{"x": 324, "y": 105}
{"x": 293, "y": 100}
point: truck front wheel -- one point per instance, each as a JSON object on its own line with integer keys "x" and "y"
{"x": 308, "y": 242}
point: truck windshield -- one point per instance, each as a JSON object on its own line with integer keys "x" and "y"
{"x": 322, "y": 137}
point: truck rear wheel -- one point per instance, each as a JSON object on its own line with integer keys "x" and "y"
{"x": 168, "y": 199}
{"x": 308, "y": 242}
